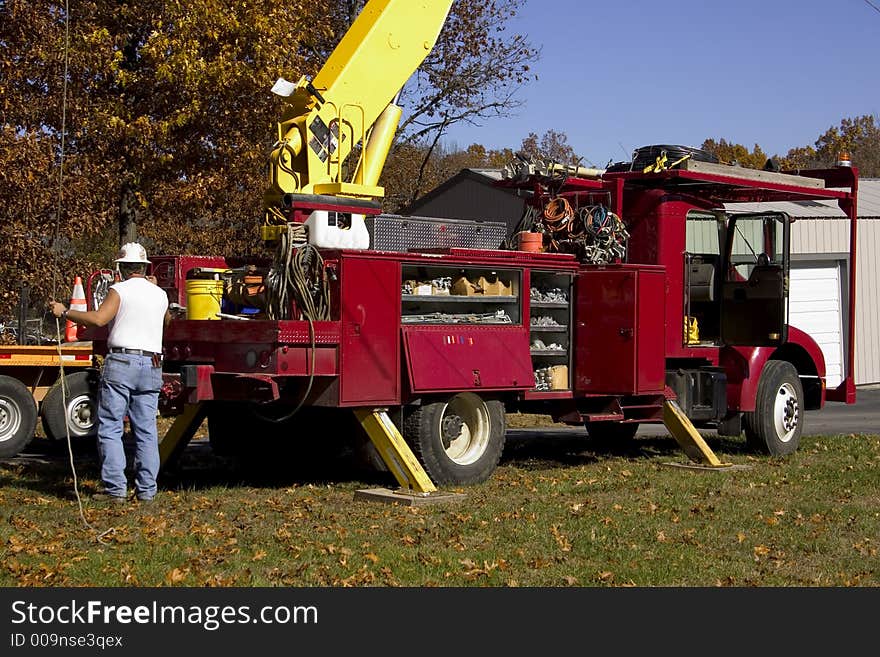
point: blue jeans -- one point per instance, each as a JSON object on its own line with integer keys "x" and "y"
{"x": 129, "y": 386}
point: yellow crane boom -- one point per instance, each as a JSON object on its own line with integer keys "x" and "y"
{"x": 350, "y": 102}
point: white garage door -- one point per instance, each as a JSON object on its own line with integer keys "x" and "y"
{"x": 814, "y": 307}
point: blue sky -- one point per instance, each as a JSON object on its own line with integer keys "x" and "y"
{"x": 618, "y": 75}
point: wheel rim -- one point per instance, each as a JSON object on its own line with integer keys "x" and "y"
{"x": 80, "y": 415}
{"x": 465, "y": 428}
{"x": 786, "y": 412}
{"x": 10, "y": 419}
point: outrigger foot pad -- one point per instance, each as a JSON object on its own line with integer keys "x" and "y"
{"x": 405, "y": 497}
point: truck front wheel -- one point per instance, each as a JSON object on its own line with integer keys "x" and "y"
{"x": 18, "y": 416}
{"x": 76, "y": 408}
{"x": 458, "y": 441}
{"x": 776, "y": 424}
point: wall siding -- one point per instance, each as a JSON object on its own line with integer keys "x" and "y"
{"x": 823, "y": 236}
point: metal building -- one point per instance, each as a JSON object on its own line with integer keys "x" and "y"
{"x": 819, "y": 250}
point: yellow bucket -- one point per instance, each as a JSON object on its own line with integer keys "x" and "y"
{"x": 203, "y": 298}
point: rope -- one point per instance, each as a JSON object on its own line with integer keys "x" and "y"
{"x": 99, "y": 535}
{"x": 63, "y": 145}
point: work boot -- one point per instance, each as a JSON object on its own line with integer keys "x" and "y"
{"x": 108, "y": 498}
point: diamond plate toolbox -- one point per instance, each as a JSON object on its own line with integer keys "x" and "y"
{"x": 390, "y": 232}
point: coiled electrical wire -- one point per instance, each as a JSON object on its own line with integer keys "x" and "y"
{"x": 297, "y": 276}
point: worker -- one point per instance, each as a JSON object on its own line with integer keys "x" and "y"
{"x": 137, "y": 312}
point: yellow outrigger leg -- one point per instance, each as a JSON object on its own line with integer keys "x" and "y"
{"x": 393, "y": 449}
{"x": 688, "y": 438}
{"x": 417, "y": 489}
{"x": 172, "y": 444}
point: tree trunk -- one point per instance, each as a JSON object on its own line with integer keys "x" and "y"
{"x": 128, "y": 213}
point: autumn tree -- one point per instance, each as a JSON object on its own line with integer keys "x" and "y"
{"x": 552, "y": 146}
{"x": 444, "y": 162}
{"x": 168, "y": 119}
{"x": 448, "y": 160}
{"x": 731, "y": 153}
{"x": 859, "y": 136}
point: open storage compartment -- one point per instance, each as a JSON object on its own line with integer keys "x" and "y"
{"x": 460, "y": 295}
{"x": 550, "y": 333}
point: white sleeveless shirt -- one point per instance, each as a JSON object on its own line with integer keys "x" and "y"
{"x": 140, "y": 320}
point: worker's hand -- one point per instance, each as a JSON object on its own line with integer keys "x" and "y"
{"x": 57, "y": 308}
{"x": 153, "y": 280}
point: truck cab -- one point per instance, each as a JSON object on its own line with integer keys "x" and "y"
{"x": 731, "y": 358}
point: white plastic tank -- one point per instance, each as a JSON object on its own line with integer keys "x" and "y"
{"x": 335, "y": 230}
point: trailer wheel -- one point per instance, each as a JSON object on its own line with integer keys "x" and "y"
{"x": 18, "y": 416}
{"x": 80, "y": 414}
{"x": 776, "y": 424}
{"x": 458, "y": 441}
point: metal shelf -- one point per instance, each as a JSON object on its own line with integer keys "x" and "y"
{"x": 456, "y": 298}
{"x": 550, "y": 352}
{"x": 549, "y": 304}
{"x": 549, "y": 329}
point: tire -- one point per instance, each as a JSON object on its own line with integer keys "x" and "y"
{"x": 458, "y": 441}
{"x": 18, "y": 416}
{"x": 80, "y": 414}
{"x": 777, "y": 422}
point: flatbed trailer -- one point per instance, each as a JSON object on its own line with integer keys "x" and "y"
{"x": 30, "y": 388}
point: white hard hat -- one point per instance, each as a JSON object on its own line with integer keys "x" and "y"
{"x": 132, "y": 252}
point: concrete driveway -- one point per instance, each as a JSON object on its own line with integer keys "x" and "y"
{"x": 835, "y": 418}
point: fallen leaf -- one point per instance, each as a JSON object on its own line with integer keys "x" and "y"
{"x": 175, "y": 576}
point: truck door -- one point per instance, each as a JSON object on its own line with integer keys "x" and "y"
{"x": 754, "y": 290}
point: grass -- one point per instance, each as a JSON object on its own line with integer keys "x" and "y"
{"x": 554, "y": 514}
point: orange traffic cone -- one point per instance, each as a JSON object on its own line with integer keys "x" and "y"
{"x": 77, "y": 302}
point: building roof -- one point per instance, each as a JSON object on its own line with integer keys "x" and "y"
{"x": 868, "y": 201}
{"x": 868, "y": 204}
{"x": 487, "y": 176}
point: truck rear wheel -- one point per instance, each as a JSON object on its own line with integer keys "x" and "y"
{"x": 18, "y": 416}
{"x": 776, "y": 424}
{"x": 458, "y": 441}
{"x": 76, "y": 408}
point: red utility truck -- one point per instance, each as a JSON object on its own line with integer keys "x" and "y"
{"x": 647, "y": 289}
{"x": 450, "y": 338}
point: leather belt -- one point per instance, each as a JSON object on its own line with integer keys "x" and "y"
{"x": 135, "y": 352}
